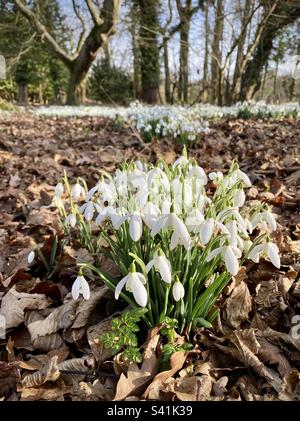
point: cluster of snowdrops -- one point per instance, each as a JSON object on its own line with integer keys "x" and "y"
{"x": 177, "y": 235}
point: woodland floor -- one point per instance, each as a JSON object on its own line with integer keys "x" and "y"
{"x": 52, "y": 349}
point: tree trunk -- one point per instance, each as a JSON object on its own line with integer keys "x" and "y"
{"x": 167, "y": 71}
{"x": 184, "y": 15}
{"x": 150, "y": 66}
{"x": 22, "y": 93}
{"x": 216, "y": 59}
{"x": 236, "y": 83}
{"x": 136, "y": 53}
{"x": 205, "y": 93}
{"x": 285, "y": 13}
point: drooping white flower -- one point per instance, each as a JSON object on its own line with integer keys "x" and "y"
{"x": 206, "y": 231}
{"x": 161, "y": 265}
{"x": 239, "y": 198}
{"x": 229, "y": 255}
{"x": 31, "y": 257}
{"x": 77, "y": 191}
{"x": 180, "y": 233}
{"x": 268, "y": 250}
{"x": 178, "y": 291}
{"x": 198, "y": 173}
{"x": 133, "y": 282}
{"x": 244, "y": 177}
{"x": 266, "y": 219}
{"x": 80, "y": 286}
{"x": 150, "y": 213}
{"x": 215, "y": 176}
{"x": 59, "y": 190}
{"x": 71, "y": 220}
{"x": 181, "y": 162}
{"x": 135, "y": 225}
{"x": 88, "y": 210}
{"x": 231, "y": 261}
{"x": 194, "y": 220}
{"x": 158, "y": 176}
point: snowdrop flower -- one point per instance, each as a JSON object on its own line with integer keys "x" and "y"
{"x": 215, "y": 176}
{"x": 180, "y": 233}
{"x": 150, "y": 214}
{"x": 88, "y": 210}
{"x": 133, "y": 282}
{"x": 71, "y": 220}
{"x": 135, "y": 226}
{"x": 80, "y": 286}
{"x": 206, "y": 231}
{"x": 242, "y": 176}
{"x": 161, "y": 265}
{"x": 31, "y": 257}
{"x": 266, "y": 219}
{"x": 59, "y": 190}
{"x": 197, "y": 172}
{"x": 239, "y": 198}
{"x": 77, "y": 191}
{"x": 268, "y": 250}
{"x": 181, "y": 162}
{"x": 194, "y": 220}
{"x": 156, "y": 174}
{"x": 178, "y": 290}
{"x": 229, "y": 254}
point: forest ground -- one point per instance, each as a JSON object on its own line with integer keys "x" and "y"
{"x": 250, "y": 355}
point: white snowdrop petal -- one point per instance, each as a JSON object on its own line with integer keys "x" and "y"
{"x": 178, "y": 291}
{"x": 206, "y": 231}
{"x": 269, "y": 218}
{"x": 149, "y": 265}
{"x": 31, "y": 257}
{"x": 135, "y": 226}
{"x": 139, "y": 293}
{"x": 75, "y": 288}
{"x": 231, "y": 261}
{"x": 85, "y": 288}
{"x": 163, "y": 266}
{"x": 120, "y": 286}
{"x": 59, "y": 190}
{"x": 272, "y": 252}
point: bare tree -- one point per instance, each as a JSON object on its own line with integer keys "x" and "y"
{"x": 149, "y": 50}
{"x": 78, "y": 63}
{"x": 278, "y": 15}
{"x": 184, "y": 11}
{"x": 216, "y": 55}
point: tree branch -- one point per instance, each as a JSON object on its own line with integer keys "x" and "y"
{"x": 94, "y": 12}
{"x": 41, "y": 30}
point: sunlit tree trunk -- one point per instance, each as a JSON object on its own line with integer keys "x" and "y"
{"x": 216, "y": 54}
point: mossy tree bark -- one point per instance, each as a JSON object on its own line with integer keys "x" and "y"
{"x": 149, "y": 50}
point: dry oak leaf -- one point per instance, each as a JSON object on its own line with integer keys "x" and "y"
{"x": 176, "y": 363}
{"x": 46, "y": 392}
{"x": 191, "y": 388}
{"x": 48, "y": 372}
{"x": 247, "y": 347}
{"x": 290, "y": 387}
{"x": 9, "y": 377}
{"x": 60, "y": 318}
{"x": 238, "y": 305}
{"x": 137, "y": 379}
{"x": 93, "y": 336}
{"x": 272, "y": 354}
{"x": 14, "y": 304}
{"x": 77, "y": 368}
{"x": 86, "y": 307}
